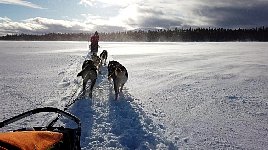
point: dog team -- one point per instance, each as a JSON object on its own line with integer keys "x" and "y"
{"x": 116, "y": 72}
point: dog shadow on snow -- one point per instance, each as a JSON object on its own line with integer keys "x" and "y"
{"x": 130, "y": 123}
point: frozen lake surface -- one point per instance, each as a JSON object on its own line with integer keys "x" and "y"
{"x": 178, "y": 95}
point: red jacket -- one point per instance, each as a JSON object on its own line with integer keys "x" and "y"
{"x": 94, "y": 39}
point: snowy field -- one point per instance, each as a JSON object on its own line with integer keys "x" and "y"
{"x": 178, "y": 96}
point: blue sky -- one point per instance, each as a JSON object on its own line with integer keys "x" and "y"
{"x": 53, "y": 9}
{"x": 44, "y": 16}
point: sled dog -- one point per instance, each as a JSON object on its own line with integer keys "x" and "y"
{"x": 97, "y": 61}
{"x": 103, "y": 56}
{"x": 119, "y": 74}
{"x": 89, "y": 72}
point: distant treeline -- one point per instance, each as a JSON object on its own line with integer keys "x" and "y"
{"x": 162, "y": 35}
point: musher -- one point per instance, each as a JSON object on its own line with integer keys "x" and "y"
{"x": 94, "y": 43}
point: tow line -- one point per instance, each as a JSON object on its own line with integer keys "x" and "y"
{"x": 71, "y": 102}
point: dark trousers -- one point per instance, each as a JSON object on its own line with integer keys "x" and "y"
{"x": 94, "y": 48}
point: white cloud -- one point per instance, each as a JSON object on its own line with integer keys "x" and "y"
{"x": 135, "y": 14}
{"x": 4, "y": 19}
{"x": 21, "y": 3}
{"x": 87, "y": 2}
{"x": 168, "y": 13}
{"x": 106, "y": 3}
{"x": 41, "y": 25}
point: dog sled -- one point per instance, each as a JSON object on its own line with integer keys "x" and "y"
{"x": 41, "y": 138}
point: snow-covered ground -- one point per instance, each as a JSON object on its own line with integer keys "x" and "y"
{"x": 178, "y": 96}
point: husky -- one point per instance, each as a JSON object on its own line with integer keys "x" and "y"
{"x": 89, "y": 72}
{"x": 97, "y": 61}
{"x": 112, "y": 67}
{"x": 119, "y": 74}
{"x": 103, "y": 56}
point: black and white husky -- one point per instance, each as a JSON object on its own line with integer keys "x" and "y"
{"x": 119, "y": 74}
{"x": 97, "y": 61}
{"x": 103, "y": 56}
{"x": 89, "y": 72}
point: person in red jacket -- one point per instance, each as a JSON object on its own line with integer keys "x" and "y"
{"x": 94, "y": 43}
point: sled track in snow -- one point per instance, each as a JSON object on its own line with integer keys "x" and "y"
{"x": 110, "y": 124}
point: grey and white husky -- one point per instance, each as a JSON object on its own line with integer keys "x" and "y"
{"x": 89, "y": 72}
{"x": 119, "y": 74}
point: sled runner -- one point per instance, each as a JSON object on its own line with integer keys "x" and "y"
{"x": 41, "y": 138}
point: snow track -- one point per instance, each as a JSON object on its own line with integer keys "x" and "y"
{"x": 199, "y": 95}
{"x": 110, "y": 124}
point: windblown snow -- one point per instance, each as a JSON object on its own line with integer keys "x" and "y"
{"x": 178, "y": 95}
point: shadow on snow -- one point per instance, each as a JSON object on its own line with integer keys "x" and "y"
{"x": 134, "y": 129}
{"x": 123, "y": 118}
